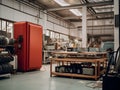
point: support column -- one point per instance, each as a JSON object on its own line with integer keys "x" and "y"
{"x": 84, "y": 27}
{"x": 45, "y": 22}
{"x": 116, "y": 29}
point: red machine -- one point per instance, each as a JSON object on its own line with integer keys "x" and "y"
{"x": 28, "y": 46}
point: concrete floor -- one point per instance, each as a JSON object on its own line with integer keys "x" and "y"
{"x": 41, "y": 80}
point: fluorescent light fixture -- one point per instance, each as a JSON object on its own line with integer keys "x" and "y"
{"x": 76, "y": 12}
{"x": 63, "y": 3}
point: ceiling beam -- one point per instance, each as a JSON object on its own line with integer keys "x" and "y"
{"x": 80, "y": 20}
{"x": 80, "y": 5}
{"x": 101, "y": 26}
{"x": 100, "y": 8}
{"x": 75, "y": 20}
{"x": 98, "y": 26}
{"x": 73, "y": 17}
{"x": 90, "y": 8}
{"x": 107, "y": 39}
{"x": 104, "y": 40}
{"x": 97, "y": 14}
{"x": 100, "y": 18}
{"x": 104, "y": 13}
{"x": 97, "y": 35}
{"x": 101, "y": 29}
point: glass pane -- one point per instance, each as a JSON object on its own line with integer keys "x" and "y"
{"x": 52, "y": 34}
{"x": 0, "y": 25}
{"x": 10, "y": 30}
{"x": 47, "y": 33}
{"x": 57, "y": 35}
{"x": 3, "y": 25}
{"x": 64, "y": 37}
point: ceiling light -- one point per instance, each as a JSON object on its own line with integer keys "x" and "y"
{"x": 62, "y": 2}
{"x": 76, "y": 12}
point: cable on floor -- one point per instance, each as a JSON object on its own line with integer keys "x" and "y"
{"x": 97, "y": 84}
{"x": 43, "y": 68}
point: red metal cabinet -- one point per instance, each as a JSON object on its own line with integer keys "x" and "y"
{"x": 28, "y": 46}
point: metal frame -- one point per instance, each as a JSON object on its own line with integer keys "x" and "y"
{"x": 80, "y": 6}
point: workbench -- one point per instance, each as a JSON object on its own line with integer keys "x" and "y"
{"x": 66, "y": 60}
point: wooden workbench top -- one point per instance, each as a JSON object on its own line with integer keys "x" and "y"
{"x": 81, "y": 53}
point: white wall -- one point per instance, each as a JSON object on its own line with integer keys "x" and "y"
{"x": 61, "y": 29}
{"x": 74, "y": 32}
{"x": 21, "y": 12}
{"x": 11, "y": 14}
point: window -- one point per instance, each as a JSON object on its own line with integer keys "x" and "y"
{"x": 64, "y": 37}
{"x": 10, "y": 29}
{"x": 47, "y": 33}
{"x": 57, "y": 35}
{"x": 6, "y": 28}
{"x": 52, "y": 34}
{"x": 0, "y": 24}
{"x": 4, "y": 25}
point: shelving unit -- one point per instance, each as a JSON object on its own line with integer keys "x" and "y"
{"x": 97, "y": 62}
{"x": 46, "y": 55}
{"x": 5, "y": 67}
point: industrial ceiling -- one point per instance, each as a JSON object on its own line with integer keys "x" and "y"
{"x": 96, "y": 10}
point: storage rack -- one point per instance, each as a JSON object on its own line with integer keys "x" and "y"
{"x": 98, "y": 62}
{"x": 46, "y": 56}
{"x": 8, "y": 68}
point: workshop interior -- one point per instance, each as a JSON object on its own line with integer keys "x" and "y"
{"x": 59, "y": 44}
